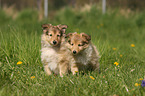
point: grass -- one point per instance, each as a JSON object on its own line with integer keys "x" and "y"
{"x": 20, "y": 41}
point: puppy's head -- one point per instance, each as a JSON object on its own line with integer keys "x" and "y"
{"x": 77, "y": 42}
{"x": 54, "y": 34}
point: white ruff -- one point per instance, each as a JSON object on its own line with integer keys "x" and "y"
{"x": 49, "y": 55}
{"x": 84, "y": 57}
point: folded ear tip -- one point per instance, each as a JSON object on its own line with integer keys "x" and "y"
{"x": 88, "y": 37}
{"x": 69, "y": 34}
{"x": 62, "y": 26}
{"x": 42, "y": 25}
{"x": 46, "y": 26}
{"x": 66, "y": 26}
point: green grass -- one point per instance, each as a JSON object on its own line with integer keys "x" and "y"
{"x": 20, "y": 41}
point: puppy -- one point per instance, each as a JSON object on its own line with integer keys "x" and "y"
{"x": 84, "y": 55}
{"x": 52, "y": 40}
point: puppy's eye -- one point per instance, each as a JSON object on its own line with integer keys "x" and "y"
{"x": 58, "y": 35}
{"x": 80, "y": 45}
{"x": 69, "y": 41}
{"x": 50, "y": 34}
{"x": 47, "y": 33}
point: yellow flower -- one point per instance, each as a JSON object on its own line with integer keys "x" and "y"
{"x": 101, "y": 24}
{"x": 132, "y": 45}
{"x": 140, "y": 79}
{"x": 136, "y": 84}
{"x": 19, "y": 62}
{"x": 92, "y": 77}
{"x": 32, "y": 77}
{"x": 116, "y": 63}
{"x": 76, "y": 71}
{"x": 114, "y": 48}
{"x": 120, "y": 55}
{"x": 98, "y": 26}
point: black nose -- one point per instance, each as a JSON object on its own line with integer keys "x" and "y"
{"x": 54, "y": 42}
{"x": 74, "y": 51}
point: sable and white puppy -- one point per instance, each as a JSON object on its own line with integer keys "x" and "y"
{"x": 52, "y": 40}
{"x": 84, "y": 54}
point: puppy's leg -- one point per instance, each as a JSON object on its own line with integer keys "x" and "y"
{"x": 63, "y": 67}
{"x": 47, "y": 70}
{"x": 95, "y": 65}
{"x": 74, "y": 68}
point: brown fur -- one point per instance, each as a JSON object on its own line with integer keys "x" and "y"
{"x": 52, "y": 41}
{"x": 84, "y": 55}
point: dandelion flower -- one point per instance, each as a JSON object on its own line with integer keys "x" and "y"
{"x": 132, "y": 45}
{"x": 114, "y": 49}
{"x": 101, "y": 24}
{"x": 32, "y": 77}
{"x": 98, "y": 26}
{"x": 92, "y": 77}
{"x": 136, "y": 84}
{"x": 19, "y": 62}
{"x": 116, "y": 63}
{"x": 140, "y": 79}
{"x": 76, "y": 71}
{"x": 121, "y": 55}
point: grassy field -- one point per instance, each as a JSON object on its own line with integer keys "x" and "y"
{"x": 118, "y": 36}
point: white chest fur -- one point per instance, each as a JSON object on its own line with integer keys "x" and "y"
{"x": 85, "y": 56}
{"x": 49, "y": 56}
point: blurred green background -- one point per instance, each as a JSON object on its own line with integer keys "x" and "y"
{"x": 114, "y": 33}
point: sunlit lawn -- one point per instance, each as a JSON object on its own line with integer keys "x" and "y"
{"x": 119, "y": 39}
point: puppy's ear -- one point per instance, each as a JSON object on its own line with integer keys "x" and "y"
{"x": 68, "y": 35}
{"x": 62, "y": 28}
{"x": 87, "y": 37}
{"x": 45, "y": 27}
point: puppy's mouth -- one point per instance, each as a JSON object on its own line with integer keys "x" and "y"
{"x": 54, "y": 44}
